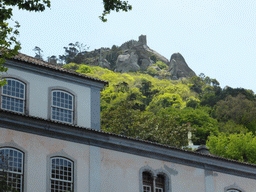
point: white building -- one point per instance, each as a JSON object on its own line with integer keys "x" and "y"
{"x": 50, "y": 130}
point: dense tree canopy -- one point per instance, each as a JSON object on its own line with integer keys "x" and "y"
{"x": 239, "y": 147}
{"x": 164, "y": 111}
{"x": 133, "y": 100}
{"x": 161, "y": 128}
{"x": 239, "y": 109}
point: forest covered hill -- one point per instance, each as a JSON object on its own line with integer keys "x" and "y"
{"x": 139, "y": 105}
{"x": 152, "y": 98}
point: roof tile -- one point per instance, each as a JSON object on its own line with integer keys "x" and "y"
{"x": 33, "y": 60}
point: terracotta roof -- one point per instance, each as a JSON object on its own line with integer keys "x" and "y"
{"x": 130, "y": 138}
{"x": 34, "y": 61}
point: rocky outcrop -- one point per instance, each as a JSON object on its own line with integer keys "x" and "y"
{"x": 158, "y": 56}
{"x": 135, "y": 52}
{"x": 97, "y": 62}
{"x": 178, "y": 67}
{"x": 104, "y": 64}
{"x": 134, "y": 56}
{"x": 127, "y": 63}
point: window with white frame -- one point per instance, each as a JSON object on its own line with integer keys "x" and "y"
{"x": 62, "y": 106}
{"x": 151, "y": 184}
{"x": 13, "y": 96}
{"x": 11, "y": 166}
{"x": 61, "y": 175}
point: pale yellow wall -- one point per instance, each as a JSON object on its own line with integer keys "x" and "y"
{"x": 104, "y": 170}
{"x": 38, "y": 147}
{"x": 222, "y": 180}
{"x": 120, "y": 172}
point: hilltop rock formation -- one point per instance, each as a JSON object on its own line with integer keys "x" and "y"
{"x": 134, "y": 56}
{"x": 139, "y": 57}
{"x": 178, "y": 67}
{"x": 127, "y": 63}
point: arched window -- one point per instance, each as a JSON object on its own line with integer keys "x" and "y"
{"x": 153, "y": 184}
{"x": 13, "y": 96}
{"x": 160, "y": 184}
{"x": 62, "y": 106}
{"x": 61, "y": 174}
{"x": 233, "y": 188}
{"x": 11, "y": 166}
{"x": 147, "y": 182}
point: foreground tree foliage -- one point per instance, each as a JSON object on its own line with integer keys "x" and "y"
{"x": 239, "y": 147}
{"x": 114, "y": 5}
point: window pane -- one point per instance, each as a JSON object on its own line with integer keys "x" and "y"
{"x": 62, "y": 106}
{"x": 13, "y": 95}
{"x": 159, "y": 189}
{"x": 160, "y": 181}
{"x": 146, "y": 188}
{"x": 59, "y": 181}
{"x": 11, "y": 162}
{"x": 13, "y": 104}
{"x": 147, "y": 182}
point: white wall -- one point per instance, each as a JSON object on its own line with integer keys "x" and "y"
{"x": 38, "y": 95}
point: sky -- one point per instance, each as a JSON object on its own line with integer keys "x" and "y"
{"x": 216, "y": 37}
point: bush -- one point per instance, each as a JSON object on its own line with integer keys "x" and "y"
{"x": 84, "y": 69}
{"x": 152, "y": 71}
{"x": 240, "y": 147}
{"x": 71, "y": 66}
{"x": 161, "y": 65}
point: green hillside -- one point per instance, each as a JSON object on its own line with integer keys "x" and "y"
{"x": 164, "y": 111}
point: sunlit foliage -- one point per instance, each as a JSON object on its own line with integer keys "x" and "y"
{"x": 141, "y": 106}
{"x": 239, "y": 147}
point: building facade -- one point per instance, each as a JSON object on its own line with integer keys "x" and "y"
{"x": 50, "y": 132}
